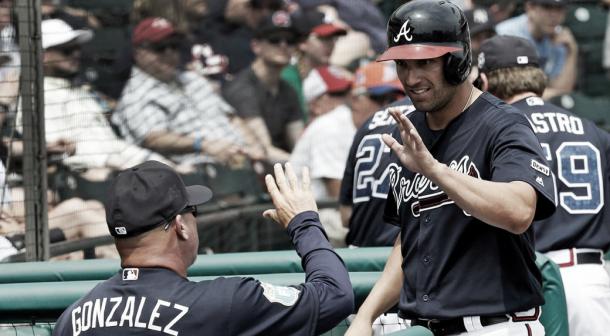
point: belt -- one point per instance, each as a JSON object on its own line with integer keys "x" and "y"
{"x": 577, "y": 257}
{"x": 455, "y": 325}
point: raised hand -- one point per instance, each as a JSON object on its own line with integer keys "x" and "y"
{"x": 413, "y": 153}
{"x": 290, "y": 197}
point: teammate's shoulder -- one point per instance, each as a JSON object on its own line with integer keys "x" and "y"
{"x": 381, "y": 120}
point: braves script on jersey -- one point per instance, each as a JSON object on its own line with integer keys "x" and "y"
{"x": 578, "y": 152}
{"x": 365, "y": 183}
{"x": 454, "y": 264}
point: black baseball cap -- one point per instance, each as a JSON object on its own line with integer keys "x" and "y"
{"x": 558, "y": 3}
{"x": 277, "y": 22}
{"x": 479, "y": 20}
{"x": 146, "y": 196}
{"x": 504, "y": 51}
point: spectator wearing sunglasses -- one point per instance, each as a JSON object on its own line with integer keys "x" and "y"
{"x": 176, "y": 112}
{"x": 268, "y": 104}
{"x": 77, "y": 131}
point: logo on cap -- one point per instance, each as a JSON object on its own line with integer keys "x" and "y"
{"x": 121, "y": 230}
{"x": 480, "y": 16}
{"x": 522, "y": 60}
{"x": 481, "y": 60}
{"x": 404, "y": 31}
{"x": 280, "y": 19}
{"x": 160, "y": 23}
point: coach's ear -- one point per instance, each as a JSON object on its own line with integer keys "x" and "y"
{"x": 182, "y": 229}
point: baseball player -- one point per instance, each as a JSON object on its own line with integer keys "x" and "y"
{"x": 152, "y": 214}
{"x": 365, "y": 183}
{"x": 470, "y": 183}
{"x": 577, "y": 235}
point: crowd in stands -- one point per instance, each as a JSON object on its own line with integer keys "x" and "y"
{"x": 244, "y": 84}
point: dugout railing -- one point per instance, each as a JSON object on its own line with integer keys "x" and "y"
{"x": 32, "y": 295}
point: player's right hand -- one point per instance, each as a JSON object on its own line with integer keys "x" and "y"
{"x": 413, "y": 153}
{"x": 359, "y": 328}
{"x": 289, "y": 195}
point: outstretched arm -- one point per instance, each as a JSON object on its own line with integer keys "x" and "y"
{"x": 295, "y": 209}
{"x": 507, "y": 205}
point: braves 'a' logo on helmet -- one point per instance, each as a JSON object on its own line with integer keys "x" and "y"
{"x": 405, "y": 31}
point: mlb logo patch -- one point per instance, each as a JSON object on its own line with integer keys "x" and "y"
{"x": 121, "y": 230}
{"x": 522, "y": 60}
{"x": 539, "y": 167}
{"x": 131, "y": 274}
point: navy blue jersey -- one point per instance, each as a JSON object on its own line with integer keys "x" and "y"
{"x": 454, "y": 264}
{"x": 579, "y": 155}
{"x": 365, "y": 181}
{"x": 157, "y": 301}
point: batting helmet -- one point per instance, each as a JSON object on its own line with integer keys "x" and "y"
{"x": 423, "y": 29}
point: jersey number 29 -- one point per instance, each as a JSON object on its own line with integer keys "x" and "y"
{"x": 579, "y": 168}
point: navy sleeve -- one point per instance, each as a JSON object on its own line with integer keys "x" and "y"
{"x": 311, "y": 308}
{"x": 517, "y": 156}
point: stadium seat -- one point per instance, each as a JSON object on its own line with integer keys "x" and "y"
{"x": 587, "y": 20}
{"x": 40, "y": 329}
{"x": 413, "y": 331}
{"x": 596, "y": 109}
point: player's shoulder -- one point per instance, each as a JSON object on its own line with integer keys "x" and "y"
{"x": 495, "y": 113}
{"x": 381, "y": 121}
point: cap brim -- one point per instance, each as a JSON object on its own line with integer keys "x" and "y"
{"x": 198, "y": 194}
{"x": 384, "y": 89}
{"x": 328, "y": 29}
{"x": 416, "y": 51}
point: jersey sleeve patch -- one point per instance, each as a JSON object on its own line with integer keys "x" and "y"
{"x": 287, "y": 296}
{"x": 541, "y": 168}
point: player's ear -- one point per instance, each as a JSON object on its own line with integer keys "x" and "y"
{"x": 181, "y": 228}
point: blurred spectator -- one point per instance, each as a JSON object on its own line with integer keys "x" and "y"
{"x": 319, "y": 37}
{"x": 541, "y": 24}
{"x": 481, "y": 27}
{"x": 268, "y": 103}
{"x": 324, "y": 146}
{"x": 186, "y": 16}
{"x": 73, "y": 219}
{"x": 361, "y": 15}
{"x": 76, "y": 18}
{"x": 326, "y": 88}
{"x": 175, "y": 112}
{"x": 498, "y": 10}
{"x": 229, "y": 26}
{"x": 10, "y": 60}
{"x": 363, "y": 191}
{"x": 376, "y": 85}
{"x": 74, "y": 120}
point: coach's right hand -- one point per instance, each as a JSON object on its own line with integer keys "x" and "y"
{"x": 289, "y": 195}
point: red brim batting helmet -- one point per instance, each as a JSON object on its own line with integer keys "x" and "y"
{"x": 423, "y": 29}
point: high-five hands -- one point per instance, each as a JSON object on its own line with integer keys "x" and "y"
{"x": 413, "y": 153}
{"x": 290, "y": 197}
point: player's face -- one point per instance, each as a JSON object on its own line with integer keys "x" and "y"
{"x": 425, "y": 84}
